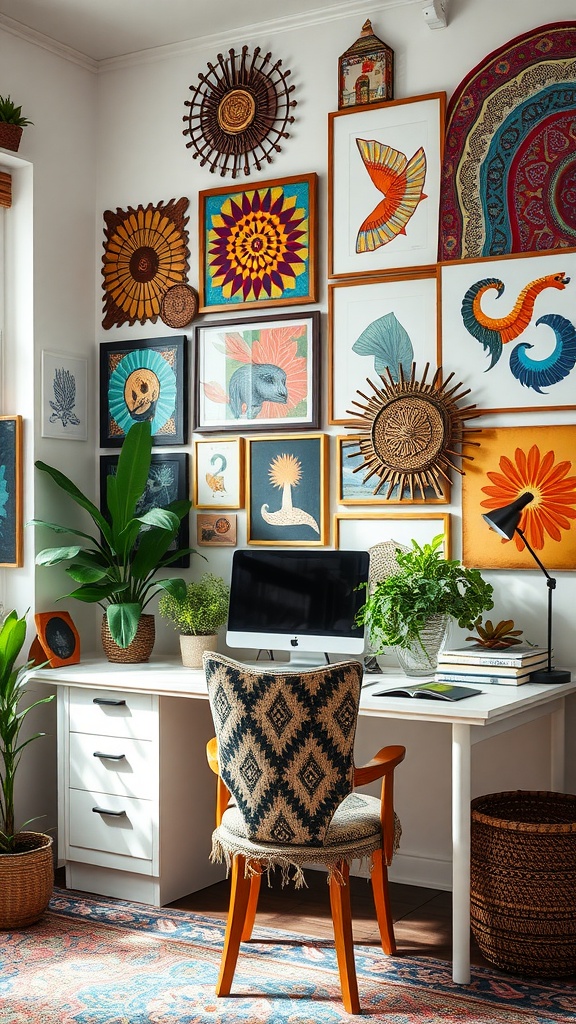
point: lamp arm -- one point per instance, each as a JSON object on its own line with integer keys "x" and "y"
{"x": 551, "y": 580}
{"x": 551, "y": 584}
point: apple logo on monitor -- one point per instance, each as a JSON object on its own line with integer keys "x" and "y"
{"x": 294, "y": 642}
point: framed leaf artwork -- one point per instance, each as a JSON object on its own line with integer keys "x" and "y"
{"x": 11, "y": 525}
{"x": 258, "y": 244}
{"x": 64, "y": 397}
{"x": 287, "y": 490}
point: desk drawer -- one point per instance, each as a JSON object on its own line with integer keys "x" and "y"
{"x": 128, "y": 830}
{"x": 113, "y": 713}
{"x": 130, "y": 769}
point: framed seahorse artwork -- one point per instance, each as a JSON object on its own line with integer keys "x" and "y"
{"x": 384, "y": 163}
{"x": 508, "y": 329}
{"x": 258, "y": 373}
{"x": 218, "y": 472}
{"x": 64, "y": 396}
{"x": 287, "y": 490}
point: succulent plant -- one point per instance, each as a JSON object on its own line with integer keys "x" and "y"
{"x": 12, "y": 114}
{"x": 501, "y": 635}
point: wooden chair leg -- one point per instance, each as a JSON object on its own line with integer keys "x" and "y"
{"x": 379, "y": 879}
{"x": 239, "y": 896}
{"x": 252, "y": 906}
{"x": 342, "y": 920}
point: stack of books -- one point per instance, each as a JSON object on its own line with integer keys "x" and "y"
{"x": 476, "y": 664}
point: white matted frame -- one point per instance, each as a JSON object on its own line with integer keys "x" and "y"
{"x": 64, "y": 396}
{"x": 377, "y": 324}
{"x": 359, "y": 532}
{"x": 384, "y": 166}
{"x": 219, "y": 472}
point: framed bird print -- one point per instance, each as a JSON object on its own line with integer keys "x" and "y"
{"x": 384, "y": 164}
{"x": 258, "y": 373}
{"x": 219, "y": 472}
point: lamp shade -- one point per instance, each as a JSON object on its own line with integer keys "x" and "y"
{"x": 505, "y": 520}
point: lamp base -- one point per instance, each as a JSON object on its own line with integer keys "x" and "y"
{"x": 552, "y": 675}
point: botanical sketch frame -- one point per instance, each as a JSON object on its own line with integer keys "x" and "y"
{"x": 64, "y": 408}
{"x": 160, "y": 367}
{"x": 504, "y": 374}
{"x": 290, "y": 342}
{"x": 216, "y": 530}
{"x": 271, "y": 219}
{"x": 169, "y": 480}
{"x": 400, "y": 306}
{"x": 218, "y": 477}
{"x": 362, "y": 530}
{"x": 297, "y": 466}
{"x": 11, "y": 496}
{"x": 352, "y": 490}
{"x": 409, "y": 225}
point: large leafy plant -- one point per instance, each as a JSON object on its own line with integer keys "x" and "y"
{"x": 12, "y": 716}
{"x": 118, "y": 566}
{"x": 399, "y": 606}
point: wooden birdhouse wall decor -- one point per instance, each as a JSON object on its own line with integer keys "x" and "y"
{"x": 365, "y": 71}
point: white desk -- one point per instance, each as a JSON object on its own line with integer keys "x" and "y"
{"x": 496, "y": 710}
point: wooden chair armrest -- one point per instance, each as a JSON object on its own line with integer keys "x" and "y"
{"x": 382, "y": 767}
{"x": 212, "y": 755}
{"x": 223, "y": 794}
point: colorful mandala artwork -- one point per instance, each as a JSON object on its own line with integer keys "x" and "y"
{"x": 258, "y": 244}
{"x": 509, "y": 171}
{"x": 145, "y": 254}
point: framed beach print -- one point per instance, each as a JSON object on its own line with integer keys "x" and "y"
{"x": 509, "y": 327}
{"x": 216, "y": 529}
{"x": 258, "y": 373}
{"x": 167, "y": 482}
{"x": 287, "y": 490}
{"x": 11, "y": 527}
{"x": 144, "y": 380}
{"x": 64, "y": 397}
{"x": 509, "y": 462}
{"x": 258, "y": 244}
{"x": 361, "y": 531}
{"x": 374, "y": 327}
{"x": 384, "y": 164}
{"x": 219, "y": 473}
{"x": 357, "y": 485}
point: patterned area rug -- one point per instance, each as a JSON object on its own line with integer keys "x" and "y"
{"x": 99, "y": 961}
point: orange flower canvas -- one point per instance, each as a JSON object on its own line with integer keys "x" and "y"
{"x": 509, "y": 462}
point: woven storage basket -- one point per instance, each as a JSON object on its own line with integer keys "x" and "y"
{"x": 523, "y": 881}
{"x": 26, "y": 881}
{"x": 138, "y": 651}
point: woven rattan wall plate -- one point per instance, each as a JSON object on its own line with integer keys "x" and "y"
{"x": 179, "y": 306}
{"x": 239, "y": 112}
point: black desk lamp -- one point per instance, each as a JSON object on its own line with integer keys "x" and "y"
{"x": 505, "y": 522}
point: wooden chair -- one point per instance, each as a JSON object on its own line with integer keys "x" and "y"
{"x": 271, "y": 732}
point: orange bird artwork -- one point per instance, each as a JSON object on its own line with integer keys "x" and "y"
{"x": 400, "y": 181}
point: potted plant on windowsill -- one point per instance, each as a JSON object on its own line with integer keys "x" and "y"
{"x": 197, "y": 616}
{"x": 117, "y": 567}
{"x": 12, "y": 124}
{"x": 410, "y": 610}
{"x": 26, "y": 864}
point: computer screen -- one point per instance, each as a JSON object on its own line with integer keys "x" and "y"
{"x": 299, "y": 600}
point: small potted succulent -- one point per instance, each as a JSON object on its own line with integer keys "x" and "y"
{"x": 12, "y": 124}
{"x": 197, "y": 615}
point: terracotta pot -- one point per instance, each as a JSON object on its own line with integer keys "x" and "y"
{"x": 10, "y": 135}
{"x": 139, "y": 650}
{"x": 26, "y": 881}
{"x": 193, "y": 647}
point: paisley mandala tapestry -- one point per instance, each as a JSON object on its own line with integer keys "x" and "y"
{"x": 509, "y": 170}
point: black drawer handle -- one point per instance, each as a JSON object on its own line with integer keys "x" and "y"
{"x": 109, "y": 701}
{"x": 109, "y": 757}
{"x": 105, "y": 810}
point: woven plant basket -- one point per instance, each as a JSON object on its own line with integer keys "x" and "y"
{"x": 523, "y": 881}
{"x": 10, "y": 135}
{"x": 26, "y": 881}
{"x": 139, "y": 650}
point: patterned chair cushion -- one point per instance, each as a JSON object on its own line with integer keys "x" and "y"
{"x": 286, "y": 745}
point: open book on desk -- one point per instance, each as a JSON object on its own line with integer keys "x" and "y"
{"x": 435, "y": 691}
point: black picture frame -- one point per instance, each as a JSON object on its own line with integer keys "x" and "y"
{"x": 168, "y": 480}
{"x": 154, "y": 376}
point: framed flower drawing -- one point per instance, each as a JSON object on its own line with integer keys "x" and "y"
{"x": 287, "y": 490}
{"x": 258, "y": 244}
{"x": 64, "y": 397}
{"x": 219, "y": 473}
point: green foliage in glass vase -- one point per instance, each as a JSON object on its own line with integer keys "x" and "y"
{"x": 12, "y": 114}
{"x": 117, "y": 566}
{"x": 201, "y": 610}
{"x": 426, "y": 584}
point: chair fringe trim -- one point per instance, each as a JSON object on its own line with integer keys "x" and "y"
{"x": 263, "y": 863}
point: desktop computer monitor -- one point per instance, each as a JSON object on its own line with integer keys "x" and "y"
{"x": 301, "y": 600}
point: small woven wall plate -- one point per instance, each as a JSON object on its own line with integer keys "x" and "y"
{"x": 179, "y": 306}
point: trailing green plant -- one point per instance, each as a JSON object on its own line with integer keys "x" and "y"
{"x": 117, "y": 568}
{"x": 12, "y": 114}
{"x": 426, "y": 584}
{"x": 12, "y": 717}
{"x": 201, "y": 610}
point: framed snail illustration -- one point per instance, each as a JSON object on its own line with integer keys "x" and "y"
{"x": 219, "y": 473}
{"x": 287, "y": 490}
{"x": 144, "y": 380}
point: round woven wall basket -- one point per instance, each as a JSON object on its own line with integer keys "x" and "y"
{"x": 139, "y": 650}
{"x": 523, "y": 881}
{"x": 26, "y": 881}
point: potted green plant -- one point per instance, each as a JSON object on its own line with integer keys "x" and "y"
{"x": 26, "y": 865}
{"x": 12, "y": 124}
{"x": 197, "y": 615}
{"x": 117, "y": 566}
{"x": 410, "y": 610}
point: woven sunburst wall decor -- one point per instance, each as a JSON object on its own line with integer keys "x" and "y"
{"x": 239, "y": 112}
{"x": 145, "y": 254}
{"x": 411, "y": 433}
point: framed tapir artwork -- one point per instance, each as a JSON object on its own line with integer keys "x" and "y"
{"x": 256, "y": 374}
{"x": 509, "y": 330}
